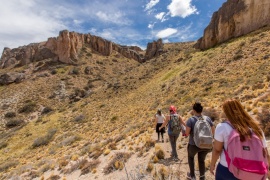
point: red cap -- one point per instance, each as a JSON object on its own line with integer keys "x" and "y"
{"x": 172, "y": 108}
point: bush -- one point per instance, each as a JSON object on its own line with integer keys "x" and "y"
{"x": 8, "y": 164}
{"x": 160, "y": 154}
{"x": 117, "y": 162}
{"x": 46, "y": 110}
{"x": 89, "y": 166}
{"x": 41, "y": 141}
{"x": 10, "y": 115}
{"x": 212, "y": 113}
{"x": 264, "y": 117}
{"x": 14, "y": 122}
{"x": 79, "y": 118}
{"x": 28, "y": 107}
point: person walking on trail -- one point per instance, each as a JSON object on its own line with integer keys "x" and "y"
{"x": 195, "y": 126}
{"x": 174, "y": 122}
{"x": 239, "y": 138}
{"x": 160, "y": 118}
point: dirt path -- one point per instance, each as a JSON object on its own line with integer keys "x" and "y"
{"x": 180, "y": 168}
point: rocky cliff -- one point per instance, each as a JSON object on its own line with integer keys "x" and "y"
{"x": 66, "y": 48}
{"x": 235, "y": 18}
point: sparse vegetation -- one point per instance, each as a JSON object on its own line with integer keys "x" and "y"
{"x": 44, "y": 140}
{"x": 107, "y": 105}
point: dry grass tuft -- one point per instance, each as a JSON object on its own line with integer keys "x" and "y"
{"x": 117, "y": 162}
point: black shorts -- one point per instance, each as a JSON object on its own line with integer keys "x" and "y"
{"x": 157, "y": 128}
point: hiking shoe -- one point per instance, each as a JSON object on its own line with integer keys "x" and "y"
{"x": 189, "y": 177}
{"x": 162, "y": 140}
{"x": 202, "y": 177}
{"x": 176, "y": 159}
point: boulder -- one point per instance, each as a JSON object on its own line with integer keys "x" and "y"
{"x": 9, "y": 78}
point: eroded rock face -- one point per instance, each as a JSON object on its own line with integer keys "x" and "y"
{"x": 67, "y": 46}
{"x": 154, "y": 49}
{"x": 235, "y": 18}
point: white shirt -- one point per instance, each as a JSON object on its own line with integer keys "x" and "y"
{"x": 222, "y": 133}
{"x": 160, "y": 118}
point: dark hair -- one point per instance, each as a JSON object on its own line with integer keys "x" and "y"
{"x": 197, "y": 107}
{"x": 159, "y": 112}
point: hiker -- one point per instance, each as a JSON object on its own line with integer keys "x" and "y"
{"x": 194, "y": 126}
{"x": 241, "y": 125}
{"x": 174, "y": 122}
{"x": 160, "y": 118}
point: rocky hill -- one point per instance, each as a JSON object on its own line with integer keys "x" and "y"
{"x": 80, "y": 107}
{"x": 234, "y": 19}
{"x": 67, "y": 46}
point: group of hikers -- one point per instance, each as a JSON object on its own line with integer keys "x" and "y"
{"x": 238, "y": 142}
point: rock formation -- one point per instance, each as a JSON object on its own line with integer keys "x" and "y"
{"x": 154, "y": 49}
{"x": 66, "y": 48}
{"x": 235, "y": 18}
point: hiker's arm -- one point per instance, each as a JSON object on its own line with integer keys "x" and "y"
{"x": 181, "y": 120}
{"x": 164, "y": 124}
{"x": 217, "y": 149}
{"x": 187, "y": 130}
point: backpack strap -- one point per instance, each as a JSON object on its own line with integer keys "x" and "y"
{"x": 204, "y": 117}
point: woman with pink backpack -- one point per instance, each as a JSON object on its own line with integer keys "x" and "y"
{"x": 241, "y": 146}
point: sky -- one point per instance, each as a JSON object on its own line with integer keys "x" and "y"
{"x": 125, "y": 22}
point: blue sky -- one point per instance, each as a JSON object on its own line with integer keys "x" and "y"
{"x": 126, "y": 22}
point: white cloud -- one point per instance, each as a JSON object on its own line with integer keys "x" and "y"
{"x": 166, "y": 33}
{"x": 181, "y": 8}
{"x": 151, "y": 4}
{"x": 151, "y": 26}
{"x": 160, "y": 15}
{"x": 116, "y": 17}
{"x": 24, "y": 22}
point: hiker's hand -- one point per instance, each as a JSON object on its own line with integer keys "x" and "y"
{"x": 212, "y": 169}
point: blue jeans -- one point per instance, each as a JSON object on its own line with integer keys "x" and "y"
{"x": 223, "y": 173}
{"x": 173, "y": 139}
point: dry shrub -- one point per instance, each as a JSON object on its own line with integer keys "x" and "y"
{"x": 212, "y": 113}
{"x": 264, "y": 117}
{"x": 117, "y": 162}
{"x": 62, "y": 162}
{"x": 112, "y": 146}
{"x": 163, "y": 173}
{"x": 78, "y": 165}
{"x": 106, "y": 152}
{"x": 150, "y": 167}
{"x": 90, "y": 166}
{"x": 160, "y": 154}
{"x": 28, "y": 107}
{"x": 14, "y": 122}
{"x": 8, "y": 164}
{"x": 54, "y": 177}
{"x": 44, "y": 140}
{"x": 155, "y": 159}
{"x": 149, "y": 143}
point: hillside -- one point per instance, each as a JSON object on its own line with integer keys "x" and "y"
{"x": 92, "y": 118}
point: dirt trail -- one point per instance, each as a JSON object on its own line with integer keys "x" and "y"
{"x": 180, "y": 168}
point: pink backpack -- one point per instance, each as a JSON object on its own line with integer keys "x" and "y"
{"x": 246, "y": 160}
